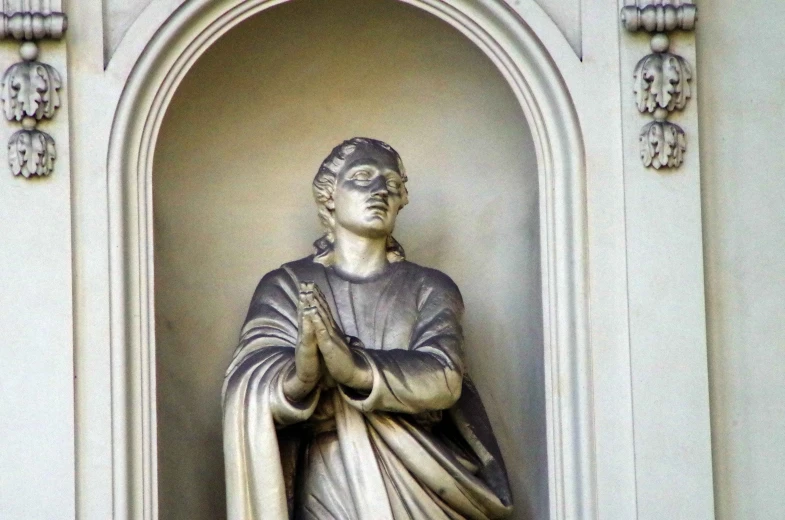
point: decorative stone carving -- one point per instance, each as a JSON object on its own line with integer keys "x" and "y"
{"x": 30, "y": 88}
{"x": 31, "y": 152}
{"x": 660, "y": 18}
{"x": 33, "y": 26}
{"x": 663, "y": 144}
{"x": 662, "y": 80}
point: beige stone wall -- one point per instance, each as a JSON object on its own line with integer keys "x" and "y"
{"x": 742, "y": 88}
{"x": 239, "y": 147}
{"x": 232, "y": 202}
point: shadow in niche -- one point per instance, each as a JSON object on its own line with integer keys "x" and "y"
{"x": 240, "y": 144}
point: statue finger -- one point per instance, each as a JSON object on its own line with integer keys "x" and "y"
{"x": 303, "y": 300}
{"x": 308, "y": 325}
{"x": 318, "y": 292}
{"x": 324, "y": 310}
{"x": 318, "y": 322}
{"x": 306, "y": 288}
{"x": 319, "y": 295}
{"x": 309, "y": 312}
{"x": 306, "y": 299}
{"x": 323, "y": 336}
{"x": 302, "y": 317}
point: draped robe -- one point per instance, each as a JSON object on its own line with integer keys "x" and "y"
{"x": 418, "y": 445}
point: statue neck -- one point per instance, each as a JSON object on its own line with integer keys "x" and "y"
{"x": 359, "y": 257}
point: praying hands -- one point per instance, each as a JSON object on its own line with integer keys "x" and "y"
{"x": 322, "y": 354}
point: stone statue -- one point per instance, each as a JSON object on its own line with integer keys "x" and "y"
{"x": 347, "y": 398}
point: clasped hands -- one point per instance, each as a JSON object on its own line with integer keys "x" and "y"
{"x": 322, "y": 353}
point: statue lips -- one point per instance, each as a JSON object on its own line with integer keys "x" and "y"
{"x": 378, "y": 206}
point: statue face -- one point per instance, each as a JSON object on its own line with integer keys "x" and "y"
{"x": 367, "y": 194}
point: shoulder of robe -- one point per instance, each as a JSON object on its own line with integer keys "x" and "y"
{"x": 303, "y": 270}
{"x": 284, "y": 273}
{"x": 285, "y": 277}
{"x": 431, "y": 279}
{"x": 302, "y": 264}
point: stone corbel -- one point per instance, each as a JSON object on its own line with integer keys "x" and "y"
{"x": 29, "y": 91}
{"x": 662, "y": 79}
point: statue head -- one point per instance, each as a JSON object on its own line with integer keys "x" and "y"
{"x": 367, "y": 180}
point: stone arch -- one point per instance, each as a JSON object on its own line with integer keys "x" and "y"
{"x": 515, "y": 49}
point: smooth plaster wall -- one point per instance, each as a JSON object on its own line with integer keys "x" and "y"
{"x": 740, "y": 58}
{"x": 119, "y": 15}
{"x": 241, "y": 141}
{"x": 566, "y": 14}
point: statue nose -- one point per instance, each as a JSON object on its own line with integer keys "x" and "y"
{"x": 379, "y": 186}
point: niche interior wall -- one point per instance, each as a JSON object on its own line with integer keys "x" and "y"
{"x": 239, "y": 146}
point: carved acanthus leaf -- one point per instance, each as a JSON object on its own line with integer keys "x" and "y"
{"x": 662, "y": 80}
{"x": 663, "y": 145}
{"x": 30, "y": 89}
{"x": 31, "y": 152}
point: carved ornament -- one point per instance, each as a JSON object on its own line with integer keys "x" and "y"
{"x": 659, "y": 18}
{"x": 661, "y": 79}
{"x": 33, "y": 26}
{"x": 29, "y": 90}
{"x": 663, "y": 145}
{"x": 31, "y": 152}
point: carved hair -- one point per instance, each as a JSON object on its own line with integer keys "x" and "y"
{"x": 324, "y": 187}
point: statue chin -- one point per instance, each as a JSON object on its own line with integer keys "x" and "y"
{"x": 373, "y": 226}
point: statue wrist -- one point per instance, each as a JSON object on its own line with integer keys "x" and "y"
{"x": 294, "y": 388}
{"x": 363, "y": 375}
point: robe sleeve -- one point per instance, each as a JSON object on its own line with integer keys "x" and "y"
{"x": 270, "y": 329}
{"x": 427, "y": 374}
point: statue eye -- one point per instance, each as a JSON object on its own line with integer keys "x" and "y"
{"x": 362, "y": 175}
{"x": 393, "y": 184}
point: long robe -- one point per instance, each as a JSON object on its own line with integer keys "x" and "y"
{"x": 417, "y": 446}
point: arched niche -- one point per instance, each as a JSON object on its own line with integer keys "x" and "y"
{"x": 540, "y": 156}
{"x": 240, "y": 143}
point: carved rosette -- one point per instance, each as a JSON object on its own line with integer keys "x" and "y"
{"x": 661, "y": 80}
{"x": 31, "y": 152}
{"x": 30, "y": 89}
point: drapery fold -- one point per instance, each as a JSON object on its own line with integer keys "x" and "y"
{"x": 398, "y": 461}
